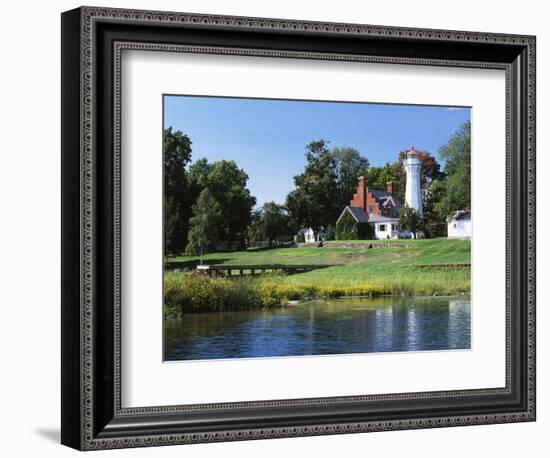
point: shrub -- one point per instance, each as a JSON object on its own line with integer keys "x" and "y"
{"x": 188, "y": 293}
{"x": 330, "y": 233}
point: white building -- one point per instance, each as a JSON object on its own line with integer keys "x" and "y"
{"x": 412, "y": 166}
{"x": 379, "y": 221}
{"x": 385, "y": 228}
{"x": 459, "y": 226}
{"x": 309, "y": 235}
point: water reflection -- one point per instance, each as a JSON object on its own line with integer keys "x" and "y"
{"x": 323, "y": 327}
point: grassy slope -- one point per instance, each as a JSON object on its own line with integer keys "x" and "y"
{"x": 393, "y": 269}
{"x": 278, "y": 256}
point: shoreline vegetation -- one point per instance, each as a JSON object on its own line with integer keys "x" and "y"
{"x": 402, "y": 269}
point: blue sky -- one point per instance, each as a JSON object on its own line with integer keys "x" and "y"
{"x": 267, "y": 138}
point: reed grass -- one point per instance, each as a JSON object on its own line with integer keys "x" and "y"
{"x": 354, "y": 272}
{"x": 188, "y": 293}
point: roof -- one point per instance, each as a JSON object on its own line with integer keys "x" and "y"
{"x": 381, "y": 219}
{"x": 379, "y": 194}
{"x": 383, "y": 196}
{"x": 361, "y": 216}
{"x": 460, "y": 215}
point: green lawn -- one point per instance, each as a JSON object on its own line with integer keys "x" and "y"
{"x": 357, "y": 271}
{"x": 291, "y": 256}
{"x": 428, "y": 251}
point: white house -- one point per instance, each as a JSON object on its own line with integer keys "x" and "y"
{"x": 309, "y": 235}
{"x": 459, "y": 226}
{"x": 379, "y": 221}
{"x": 385, "y": 228}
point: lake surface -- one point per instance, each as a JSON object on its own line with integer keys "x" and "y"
{"x": 324, "y": 327}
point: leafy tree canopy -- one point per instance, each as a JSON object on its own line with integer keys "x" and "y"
{"x": 457, "y": 156}
{"x": 314, "y": 201}
{"x": 204, "y": 225}
{"x": 176, "y": 156}
{"x": 377, "y": 177}
{"x": 227, "y": 185}
{"x": 350, "y": 165}
{"x": 271, "y": 223}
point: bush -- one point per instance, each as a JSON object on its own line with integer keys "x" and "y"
{"x": 199, "y": 293}
{"x": 330, "y": 233}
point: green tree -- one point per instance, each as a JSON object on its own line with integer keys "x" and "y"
{"x": 457, "y": 156}
{"x": 298, "y": 204}
{"x": 330, "y": 232}
{"x": 314, "y": 202}
{"x": 271, "y": 223}
{"x": 204, "y": 225}
{"x": 435, "y": 223}
{"x": 377, "y": 177}
{"x": 350, "y": 165}
{"x": 176, "y": 205}
{"x": 410, "y": 220}
{"x": 199, "y": 172}
{"x": 227, "y": 184}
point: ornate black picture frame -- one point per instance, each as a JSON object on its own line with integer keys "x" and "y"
{"x": 92, "y": 415}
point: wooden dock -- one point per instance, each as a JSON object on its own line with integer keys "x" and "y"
{"x": 443, "y": 266}
{"x": 229, "y": 270}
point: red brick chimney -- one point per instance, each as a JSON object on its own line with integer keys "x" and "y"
{"x": 389, "y": 187}
{"x": 360, "y": 197}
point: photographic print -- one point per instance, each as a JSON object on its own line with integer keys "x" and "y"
{"x": 306, "y": 227}
{"x": 304, "y": 224}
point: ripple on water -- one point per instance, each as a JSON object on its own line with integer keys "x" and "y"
{"x": 338, "y": 326}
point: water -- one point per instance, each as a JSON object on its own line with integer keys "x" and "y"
{"x": 337, "y": 326}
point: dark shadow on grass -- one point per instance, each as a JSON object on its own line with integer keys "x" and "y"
{"x": 267, "y": 248}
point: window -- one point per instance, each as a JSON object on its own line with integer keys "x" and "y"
{"x": 382, "y": 228}
{"x": 393, "y": 227}
{"x": 371, "y": 210}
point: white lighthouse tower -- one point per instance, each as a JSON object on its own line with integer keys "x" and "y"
{"x": 412, "y": 165}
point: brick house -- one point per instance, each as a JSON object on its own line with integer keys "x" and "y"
{"x": 371, "y": 214}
